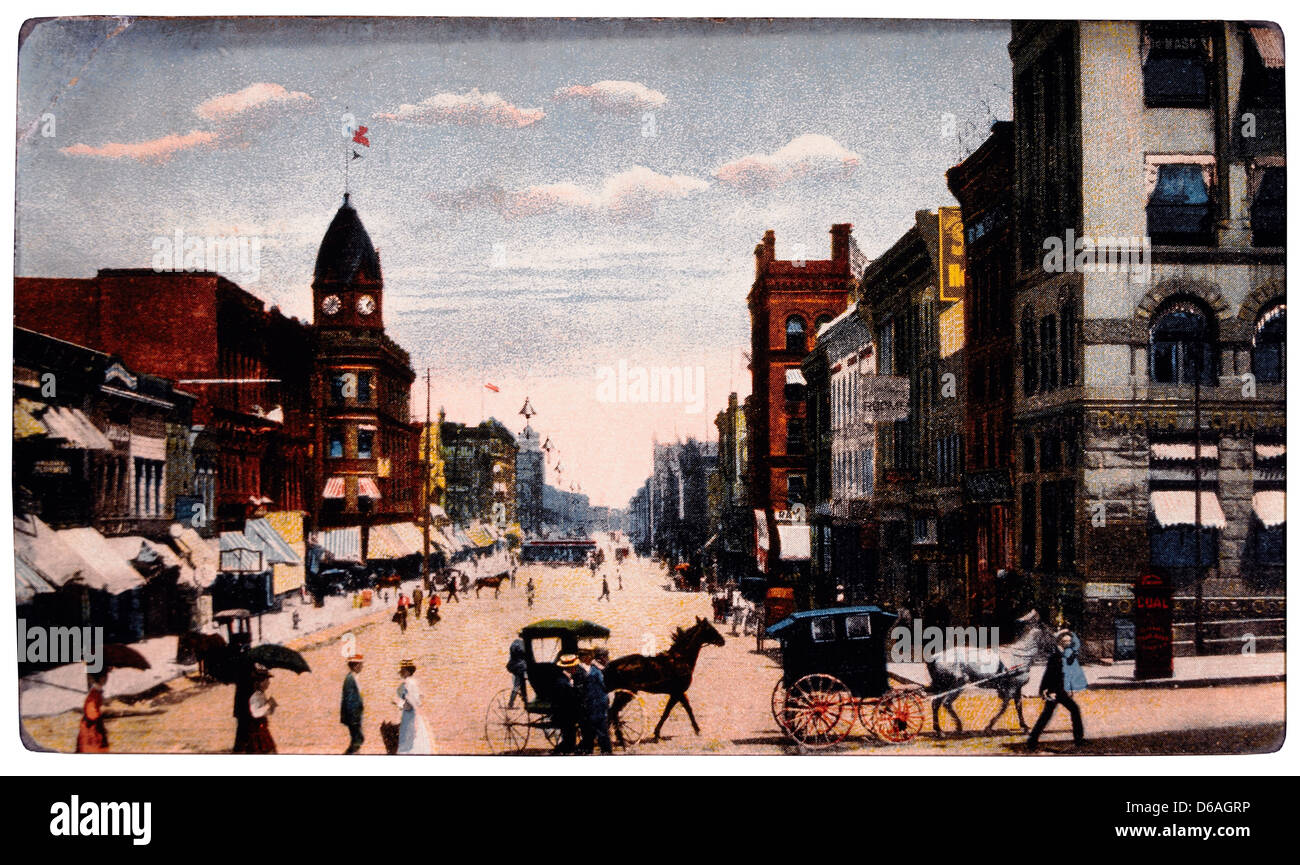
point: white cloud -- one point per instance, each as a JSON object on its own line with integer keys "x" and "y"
{"x": 613, "y": 96}
{"x": 808, "y": 155}
{"x": 627, "y": 193}
{"x": 474, "y": 108}
{"x": 260, "y": 95}
{"x": 152, "y": 150}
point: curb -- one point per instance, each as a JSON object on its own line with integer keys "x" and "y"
{"x": 1172, "y": 684}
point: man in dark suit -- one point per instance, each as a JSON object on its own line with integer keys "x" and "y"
{"x": 595, "y": 714}
{"x": 1054, "y": 693}
{"x": 567, "y": 701}
{"x": 351, "y": 709}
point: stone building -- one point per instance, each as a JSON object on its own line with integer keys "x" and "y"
{"x": 1150, "y": 324}
{"x": 530, "y": 477}
{"x": 480, "y": 465}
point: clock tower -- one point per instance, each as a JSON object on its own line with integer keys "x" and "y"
{"x": 348, "y": 289}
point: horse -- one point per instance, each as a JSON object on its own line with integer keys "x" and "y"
{"x": 960, "y": 667}
{"x": 208, "y": 649}
{"x": 668, "y": 672}
{"x": 493, "y": 583}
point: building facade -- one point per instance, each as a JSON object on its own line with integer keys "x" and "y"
{"x": 530, "y": 477}
{"x": 480, "y": 465}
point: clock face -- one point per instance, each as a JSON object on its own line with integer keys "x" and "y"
{"x": 331, "y": 305}
{"x": 365, "y": 304}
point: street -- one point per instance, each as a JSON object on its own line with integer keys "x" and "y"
{"x": 461, "y": 665}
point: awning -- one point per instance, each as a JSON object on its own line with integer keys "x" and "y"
{"x": 411, "y": 537}
{"x": 1268, "y": 41}
{"x": 437, "y": 512}
{"x": 276, "y": 550}
{"x": 343, "y": 545}
{"x": 241, "y": 553}
{"x": 462, "y": 540}
{"x": 383, "y": 543}
{"x": 1166, "y": 451}
{"x": 203, "y": 557}
{"x": 1270, "y": 507}
{"x": 28, "y": 583}
{"x": 1178, "y": 508}
{"x": 334, "y": 489}
{"x": 796, "y": 543}
{"x": 794, "y": 375}
{"x": 479, "y": 537}
{"x": 105, "y": 568}
{"x": 1269, "y": 452}
{"x": 368, "y": 488}
{"x": 25, "y": 423}
{"x": 74, "y": 428}
{"x": 41, "y": 547}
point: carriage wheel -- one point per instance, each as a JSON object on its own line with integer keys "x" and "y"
{"x": 899, "y": 716}
{"x": 506, "y": 727}
{"x": 549, "y": 730}
{"x": 778, "y": 703}
{"x": 818, "y": 711}
{"x": 629, "y": 725}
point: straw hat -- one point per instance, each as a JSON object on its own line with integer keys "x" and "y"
{"x": 567, "y": 660}
{"x": 406, "y": 664}
{"x": 356, "y": 658}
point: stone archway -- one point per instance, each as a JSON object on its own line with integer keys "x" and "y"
{"x": 1207, "y": 292}
{"x": 1260, "y": 298}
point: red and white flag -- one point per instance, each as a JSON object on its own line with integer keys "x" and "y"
{"x": 492, "y": 387}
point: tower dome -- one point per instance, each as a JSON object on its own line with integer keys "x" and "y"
{"x": 346, "y": 254}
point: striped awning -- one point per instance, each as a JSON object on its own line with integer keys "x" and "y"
{"x": 28, "y": 583}
{"x": 74, "y": 428}
{"x": 25, "y": 423}
{"x": 367, "y": 488}
{"x": 411, "y": 537}
{"x": 1270, "y": 507}
{"x": 1167, "y": 451}
{"x": 1178, "y": 508}
{"x": 334, "y": 489}
{"x": 275, "y": 549}
{"x": 383, "y": 543}
{"x": 240, "y": 553}
{"x": 1269, "y": 452}
{"x": 343, "y": 545}
{"x": 479, "y": 536}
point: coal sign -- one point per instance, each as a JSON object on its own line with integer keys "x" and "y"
{"x": 1153, "y": 620}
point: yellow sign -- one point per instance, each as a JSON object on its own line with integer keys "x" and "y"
{"x": 385, "y": 467}
{"x": 952, "y": 255}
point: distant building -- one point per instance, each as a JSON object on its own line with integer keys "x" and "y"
{"x": 733, "y": 522}
{"x": 479, "y": 462}
{"x": 530, "y": 477}
{"x": 679, "y": 499}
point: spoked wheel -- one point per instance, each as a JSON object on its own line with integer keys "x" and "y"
{"x": 818, "y": 711}
{"x": 506, "y": 726}
{"x": 899, "y": 716}
{"x": 779, "y": 694}
{"x": 550, "y": 731}
{"x": 628, "y": 727}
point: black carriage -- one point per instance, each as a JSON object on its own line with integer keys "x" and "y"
{"x": 508, "y": 725}
{"x": 835, "y": 673}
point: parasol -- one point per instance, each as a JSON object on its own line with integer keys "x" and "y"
{"x": 119, "y": 655}
{"x": 278, "y": 657}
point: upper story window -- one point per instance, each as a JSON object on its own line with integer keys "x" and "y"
{"x": 1179, "y": 211}
{"x": 1175, "y": 66}
{"x": 335, "y": 444}
{"x": 1182, "y": 345}
{"x": 1028, "y": 352}
{"x": 1268, "y": 208}
{"x": 1268, "y": 362}
{"x": 796, "y": 335}
{"x": 1069, "y": 339}
{"x": 886, "y": 357}
{"x": 794, "y": 439}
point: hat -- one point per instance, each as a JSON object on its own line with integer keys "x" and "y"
{"x": 405, "y": 663}
{"x": 356, "y": 658}
{"x": 568, "y": 660}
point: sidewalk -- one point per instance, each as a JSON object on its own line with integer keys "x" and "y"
{"x": 1189, "y": 672}
{"x": 63, "y": 689}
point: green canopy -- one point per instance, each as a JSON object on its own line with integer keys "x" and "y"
{"x": 579, "y": 628}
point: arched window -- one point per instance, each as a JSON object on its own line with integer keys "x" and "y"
{"x": 1268, "y": 361}
{"x": 1069, "y": 342}
{"x": 796, "y": 335}
{"x": 1028, "y": 352}
{"x": 1182, "y": 345}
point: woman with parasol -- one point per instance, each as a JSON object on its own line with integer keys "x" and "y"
{"x": 413, "y": 735}
{"x": 260, "y": 709}
{"x": 92, "y": 735}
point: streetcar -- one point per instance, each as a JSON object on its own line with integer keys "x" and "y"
{"x": 508, "y": 726}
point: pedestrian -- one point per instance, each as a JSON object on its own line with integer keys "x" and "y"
{"x": 260, "y": 709}
{"x": 400, "y": 617}
{"x": 1055, "y": 690}
{"x": 244, "y": 687}
{"x": 566, "y": 702}
{"x": 434, "y": 603}
{"x": 604, "y": 589}
{"x": 530, "y": 591}
{"x": 417, "y": 600}
{"x": 619, "y": 571}
{"x": 413, "y": 735}
{"x": 517, "y": 666}
{"x": 351, "y": 709}
{"x": 92, "y": 735}
{"x": 451, "y": 588}
{"x": 595, "y": 722}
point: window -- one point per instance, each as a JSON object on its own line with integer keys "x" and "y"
{"x": 1268, "y": 209}
{"x": 1047, "y": 379}
{"x": 823, "y": 630}
{"x": 1179, "y": 211}
{"x": 1069, "y": 341}
{"x": 338, "y": 387}
{"x": 794, "y": 490}
{"x": 924, "y": 530}
{"x": 796, "y": 335}
{"x": 794, "y": 443}
{"x": 1028, "y": 352}
{"x": 1268, "y": 362}
{"x": 886, "y": 358}
{"x": 1182, "y": 350}
{"x": 364, "y": 394}
{"x": 1051, "y": 537}
{"x": 336, "y": 443}
{"x": 857, "y": 627}
{"x": 1175, "y": 66}
{"x": 1028, "y": 529}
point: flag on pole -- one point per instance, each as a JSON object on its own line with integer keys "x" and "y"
{"x": 492, "y": 387}
{"x": 359, "y": 137}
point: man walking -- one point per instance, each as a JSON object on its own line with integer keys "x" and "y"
{"x": 451, "y": 588}
{"x": 1055, "y": 690}
{"x": 417, "y": 600}
{"x": 351, "y": 708}
{"x": 604, "y": 589}
{"x": 517, "y": 667}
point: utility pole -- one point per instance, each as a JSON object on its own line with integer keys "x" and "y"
{"x": 1199, "y": 634}
{"x": 426, "y": 466}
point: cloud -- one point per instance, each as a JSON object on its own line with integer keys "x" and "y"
{"x": 470, "y": 109}
{"x": 262, "y": 94}
{"x": 615, "y": 97}
{"x": 627, "y": 193}
{"x": 807, "y": 155}
{"x": 152, "y": 150}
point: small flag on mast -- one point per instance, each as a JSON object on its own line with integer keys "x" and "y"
{"x": 359, "y": 137}
{"x": 492, "y": 387}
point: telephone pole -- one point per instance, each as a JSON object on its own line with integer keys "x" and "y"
{"x": 426, "y": 466}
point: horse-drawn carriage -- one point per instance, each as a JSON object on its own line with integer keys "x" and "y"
{"x": 834, "y": 673}
{"x": 509, "y": 723}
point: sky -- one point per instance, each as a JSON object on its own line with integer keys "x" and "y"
{"x": 557, "y": 205}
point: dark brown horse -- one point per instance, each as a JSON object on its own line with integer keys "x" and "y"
{"x": 207, "y": 649}
{"x": 668, "y": 672}
{"x": 493, "y": 583}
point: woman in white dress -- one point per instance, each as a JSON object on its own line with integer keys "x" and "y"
{"x": 413, "y": 735}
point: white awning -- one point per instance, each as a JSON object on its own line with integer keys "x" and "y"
{"x": 1269, "y": 452}
{"x": 333, "y": 489}
{"x": 367, "y": 488}
{"x": 75, "y": 428}
{"x": 1178, "y": 508}
{"x": 1165, "y": 451}
{"x": 1270, "y": 507}
{"x": 794, "y": 375}
{"x": 796, "y": 543}
{"x": 105, "y": 568}
{"x": 343, "y": 545}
